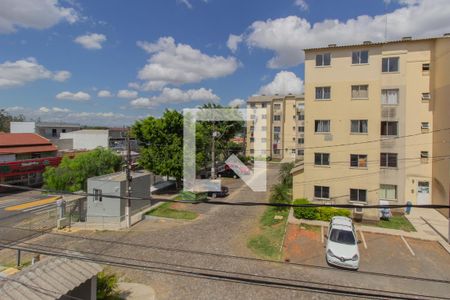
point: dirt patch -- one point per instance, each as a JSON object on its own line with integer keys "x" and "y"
{"x": 302, "y": 245}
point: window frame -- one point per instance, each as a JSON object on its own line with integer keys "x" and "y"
{"x": 360, "y": 126}
{"x": 359, "y": 160}
{"x": 358, "y": 194}
{"x": 276, "y": 118}
{"x": 359, "y": 58}
{"x": 388, "y": 128}
{"x": 317, "y": 122}
{"x": 322, "y": 161}
{"x": 385, "y": 187}
{"x": 359, "y": 90}
{"x": 384, "y": 96}
{"x": 277, "y": 106}
{"x": 322, "y": 94}
{"x": 98, "y": 195}
{"x": 322, "y": 188}
{"x": 322, "y": 59}
{"x": 385, "y": 162}
{"x": 388, "y": 64}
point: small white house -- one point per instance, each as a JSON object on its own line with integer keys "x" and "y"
{"x": 87, "y": 139}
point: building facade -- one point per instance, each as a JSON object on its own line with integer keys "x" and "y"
{"x": 23, "y": 158}
{"x": 370, "y": 126}
{"x": 49, "y": 130}
{"x": 282, "y": 127}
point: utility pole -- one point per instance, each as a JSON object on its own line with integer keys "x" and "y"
{"x": 213, "y": 154}
{"x": 128, "y": 182}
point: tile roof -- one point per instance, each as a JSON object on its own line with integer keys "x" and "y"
{"x": 49, "y": 279}
{"x": 16, "y": 143}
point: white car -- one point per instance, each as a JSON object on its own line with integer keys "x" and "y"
{"x": 342, "y": 244}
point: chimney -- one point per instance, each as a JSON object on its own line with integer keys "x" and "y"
{"x": 367, "y": 42}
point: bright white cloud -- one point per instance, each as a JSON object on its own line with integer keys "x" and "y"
{"x": 127, "y": 94}
{"x": 234, "y": 41}
{"x": 91, "y": 41}
{"x": 53, "y": 110}
{"x": 20, "y": 72}
{"x": 104, "y": 94}
{"x": 176, "y": 64}
{"x": 14, "y": 108}
{"x": 186, "y": 2}
{"x": 301, "y": 4}
{"x": 78, "y": 96}
{"x": 287, "y": 37}
{"x": 175, "y": 95}
{"x": 41, "y": 14}
{"x": 284, "y": 83}
{"x": 237, "y": 103}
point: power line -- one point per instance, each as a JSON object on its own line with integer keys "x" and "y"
{"x": 235, "y": 277}
{"x": 241, "y": 203}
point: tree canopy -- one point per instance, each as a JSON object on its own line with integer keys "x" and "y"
{"x": 6, "y": 118}
{"x": 72, "y": 174}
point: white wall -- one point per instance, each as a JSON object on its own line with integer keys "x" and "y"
{"x": 87, "y": 139}
{"x": 23, "y": 127}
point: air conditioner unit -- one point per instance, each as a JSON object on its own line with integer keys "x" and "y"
{"x": 358, "y": 212}
{"x": 426, "y": 96}
{"x": 425, "y": 125}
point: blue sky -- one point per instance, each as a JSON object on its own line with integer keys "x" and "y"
{"x": 56, "y": 56}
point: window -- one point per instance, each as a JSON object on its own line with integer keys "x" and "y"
{"x": 425, "y": 67}
{"x": 277, "y": 117}
{"x": 301, "y": 129}
{"x": 390, "y": 64}
{"x": 425, "y": 126}
{"x": 358, "y": 160}
{"x": 321, "y": 192}
{"x": 63, "y": 130}
{"x": 276, "y": 137}
{"x": 293, "y": 151}
{"x": 426, "y": 96}
{"x": 388, "y": 160}
{"x": 300, "y": 117}
{"x": 322, "y": 125}
{"x": 358, "y": 195}
{"x": 300, "y": 152}
{"x": 358, "y": 126}
{"x": 360, "y": 91}
{"x": 323, "y": 59}
{"x": 300, "y": 106}
{"x": 424, "y": 154}
{"x": 277, "y": 106}
{"x": 389, "y": 96}
{"x": 301, "y": 140}
{"x": 97, "y": 194}
{"x": 252, "y": 128}
{"x": 36, "y": 155}
{"x": 360, "y": 57}
{"x": 263, "y": 105}
{"x": 253, "y": 105}
{"x": 388, "y": 192}
{"x": 54, "y": 132}
{"x": 252, "y": 139}
{"x": 322, "y": 159}
{"x": 252, "y": 151}
{"x": 277, "y": 129}
{"x": 323, "y": 93}
{"x": 389, "y": 128}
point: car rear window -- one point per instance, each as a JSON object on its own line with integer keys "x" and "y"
{"x": 342, "y": 236}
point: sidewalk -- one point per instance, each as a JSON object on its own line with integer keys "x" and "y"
{"x": 424, "y": 231}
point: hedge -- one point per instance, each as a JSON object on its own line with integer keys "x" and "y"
{"x": 318, "y": 213}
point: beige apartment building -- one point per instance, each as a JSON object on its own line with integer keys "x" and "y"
{"x": 375, "y": 124}
{"x": 281, "y": 125}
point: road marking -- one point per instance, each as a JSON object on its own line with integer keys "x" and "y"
{"x": 408, "y": 246}
{"x": 363, "y": 239}
{"x": 33, "y": 203}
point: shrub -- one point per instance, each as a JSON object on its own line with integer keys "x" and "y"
{"x": 280, "y": 195}
{"x": 309, "y": 213}
{"x": 107, "y": 287}
{"x": 318, "y": 213}
{"x": 191, "y": 196}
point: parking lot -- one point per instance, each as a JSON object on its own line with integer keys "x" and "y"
{"x": 385, "y": 254}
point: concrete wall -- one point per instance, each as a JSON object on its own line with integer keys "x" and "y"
{"x": 440, "y": 69}
{"x": 87, "y": 139}
{"x": 22, "y": 127}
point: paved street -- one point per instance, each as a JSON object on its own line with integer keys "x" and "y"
{"x": 215, "y": 243}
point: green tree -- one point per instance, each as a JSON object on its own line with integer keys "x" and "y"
{"x": 72, "y": 174}
{"x": 285, "y": 174}
{"x": 280, "y": 194}
{"x": 107, "y": 287}
{"x": 162, "y": 141}
{"x": 6, "y": 118}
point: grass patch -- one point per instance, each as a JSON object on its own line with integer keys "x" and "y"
{"x": 395, "y": 222}
{"x": 267, "y": 244}
{"x": 165, "y": 211}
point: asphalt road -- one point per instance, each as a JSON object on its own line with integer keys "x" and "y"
{"x": 215, "y": 244}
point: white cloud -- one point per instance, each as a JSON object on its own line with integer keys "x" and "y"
{"x": 284, "y": 83}
{"x": 104, "y": 94}
{"x": 41, "y": 14}
{"x": 176, "y": 64}
{"x": 14, "y": 108}
{"x": 22, "y": 71}
{"x": 234, "y": 41}
{"x": 91, "y": 41}
{"x": 78, "y": 96}
{"x": 53, "y": 109}
{"x": 287, "y": 37}
{"x": 237, "y": 103}
{"x": 175, "y": 95}
{"x": 127, "y": 94}
{"x": 186, "y": 2}
{"x": 301, "y": 4}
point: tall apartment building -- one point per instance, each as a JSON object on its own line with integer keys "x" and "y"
{"x": 372, "y": 111}
{"x": 283, "y": 125}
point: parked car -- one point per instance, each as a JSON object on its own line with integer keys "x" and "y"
{"x": 221, "y": 194}
{"x": 226, "y": 171}
{"x": 342, "y": 244}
